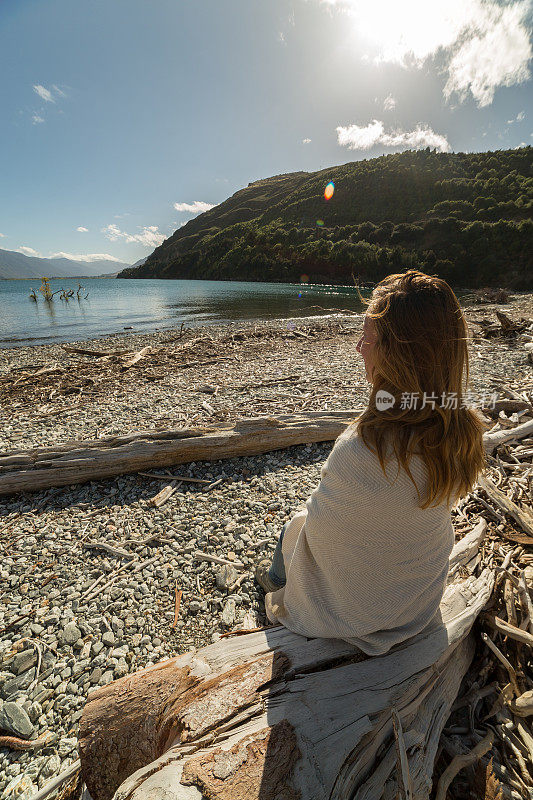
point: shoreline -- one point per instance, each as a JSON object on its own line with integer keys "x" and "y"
{"x": 168, "y": 324}
{"x": 80, "y": 397}
{"x": 93, "y": 618}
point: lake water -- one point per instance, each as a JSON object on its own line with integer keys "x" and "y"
{"x": 145, "y": 305}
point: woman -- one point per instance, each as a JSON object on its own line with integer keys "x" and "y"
{"x": 366, "y": 560}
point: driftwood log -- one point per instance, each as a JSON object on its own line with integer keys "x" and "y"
{"x": 79, "y": 462}
{"x": 273, "y": 715}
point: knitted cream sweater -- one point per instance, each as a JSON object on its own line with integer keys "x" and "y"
{"x": 363, "y": 562}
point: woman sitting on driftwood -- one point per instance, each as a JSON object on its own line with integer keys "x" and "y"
{"x": 366, "y": 560}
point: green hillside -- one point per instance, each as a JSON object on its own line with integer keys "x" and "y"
{"x": 466, "y": 217}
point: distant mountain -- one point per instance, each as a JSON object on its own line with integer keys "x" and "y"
{"x": 16, "y": 265}
{"x": 139, "y": 263}
{"x": 466, "y": 217}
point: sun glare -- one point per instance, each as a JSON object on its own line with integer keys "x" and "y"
{"x": 413, "y": 27}
{"x": 328, "y": 191}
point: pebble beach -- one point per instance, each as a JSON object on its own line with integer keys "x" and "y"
{"x": 74, "y": 617}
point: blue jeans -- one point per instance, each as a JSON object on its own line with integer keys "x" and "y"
{"x": 276, "y": 572}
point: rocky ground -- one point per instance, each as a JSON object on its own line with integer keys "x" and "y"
{"x": 73, "y": 618}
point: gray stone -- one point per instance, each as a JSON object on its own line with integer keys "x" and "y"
{"x": 225, "y": 576}
{"x": 95, "y": 675}
{"x": 51, "y": 766}
{"x": 24, "y": 661}
{"x": 32, "y": 769}
{"x": 194, "y": 607}
{"x": 36, "y": 629}
{"x": 14, "y": 719}
{"x": 106, "y": 678}
{"x": 120, "y": 652}
{"x": 66, "y": 746}
{"x": 20, "y": 787}
{"x": 228, "y": 613}
{"x": 35, "y": 711}
{"x": 19, "y": 683}
{"x": 71, "y": 633}
{"x": 5, "y": 676}
{"x": 121, "y": 669}
{"x": 108, "y": 638}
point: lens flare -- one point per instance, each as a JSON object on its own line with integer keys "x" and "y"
{"x": 328, "y": 192}
{"x": 304, "y": 278}
{"x": 320, "y": 223}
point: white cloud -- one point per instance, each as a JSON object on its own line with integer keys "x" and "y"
{"x": 150, "y": 236}
{"x": 196, "y": 207}
{"x": 85, "y": 257}
{"x": 81, "y": 229}
{"x": 519, "y": 117}
{"x": 281, "y": 37}
{"x": 28, "y": 251}
{"x": 58, "y": 91}
{"x": 497, "y": 54}
{"x": 37, "y": 119}
{"x": 357, "y": 137}
{"x": 2, "y": 235}
{"x": 306, "y": 141}
{"x": 44, "y": 94}
{"x": 518, "y": 146}
{"x": 389, "y": 103}
{"x": 483, "y": 44}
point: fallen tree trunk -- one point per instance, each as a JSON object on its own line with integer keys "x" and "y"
{"x": 79, "y": 462}
{"x": 273, "y": 714}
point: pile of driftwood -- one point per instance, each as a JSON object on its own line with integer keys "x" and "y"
{"x": 489, "y": 733}
{"x": 88, "y": 372}
{"x": 505, "y": 326}
{"x": 488, "y": 294}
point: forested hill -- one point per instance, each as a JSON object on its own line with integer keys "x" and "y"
{"x": 466, "y": 217}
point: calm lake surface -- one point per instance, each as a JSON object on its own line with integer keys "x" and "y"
{"x": 145, "y": 305}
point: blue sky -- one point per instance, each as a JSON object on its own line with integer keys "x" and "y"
{"x": 123, "y": 118}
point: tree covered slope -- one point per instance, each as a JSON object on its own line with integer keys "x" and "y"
{"x": 466, "y": 217}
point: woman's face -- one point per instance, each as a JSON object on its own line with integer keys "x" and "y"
{"x": 365, "y": 346}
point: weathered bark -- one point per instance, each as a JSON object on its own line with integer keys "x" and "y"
{"x": 77, "y": 462}
{"x": 276, "y": 715}
{"x": 494, "y": 440}
{"x": 521, "y": 515}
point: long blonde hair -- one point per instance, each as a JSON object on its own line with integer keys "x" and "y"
{"x": 421, "y": 346}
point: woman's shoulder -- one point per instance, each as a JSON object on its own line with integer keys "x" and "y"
{"x": 350, "y": 442}
{"x": 351, "y": 453}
